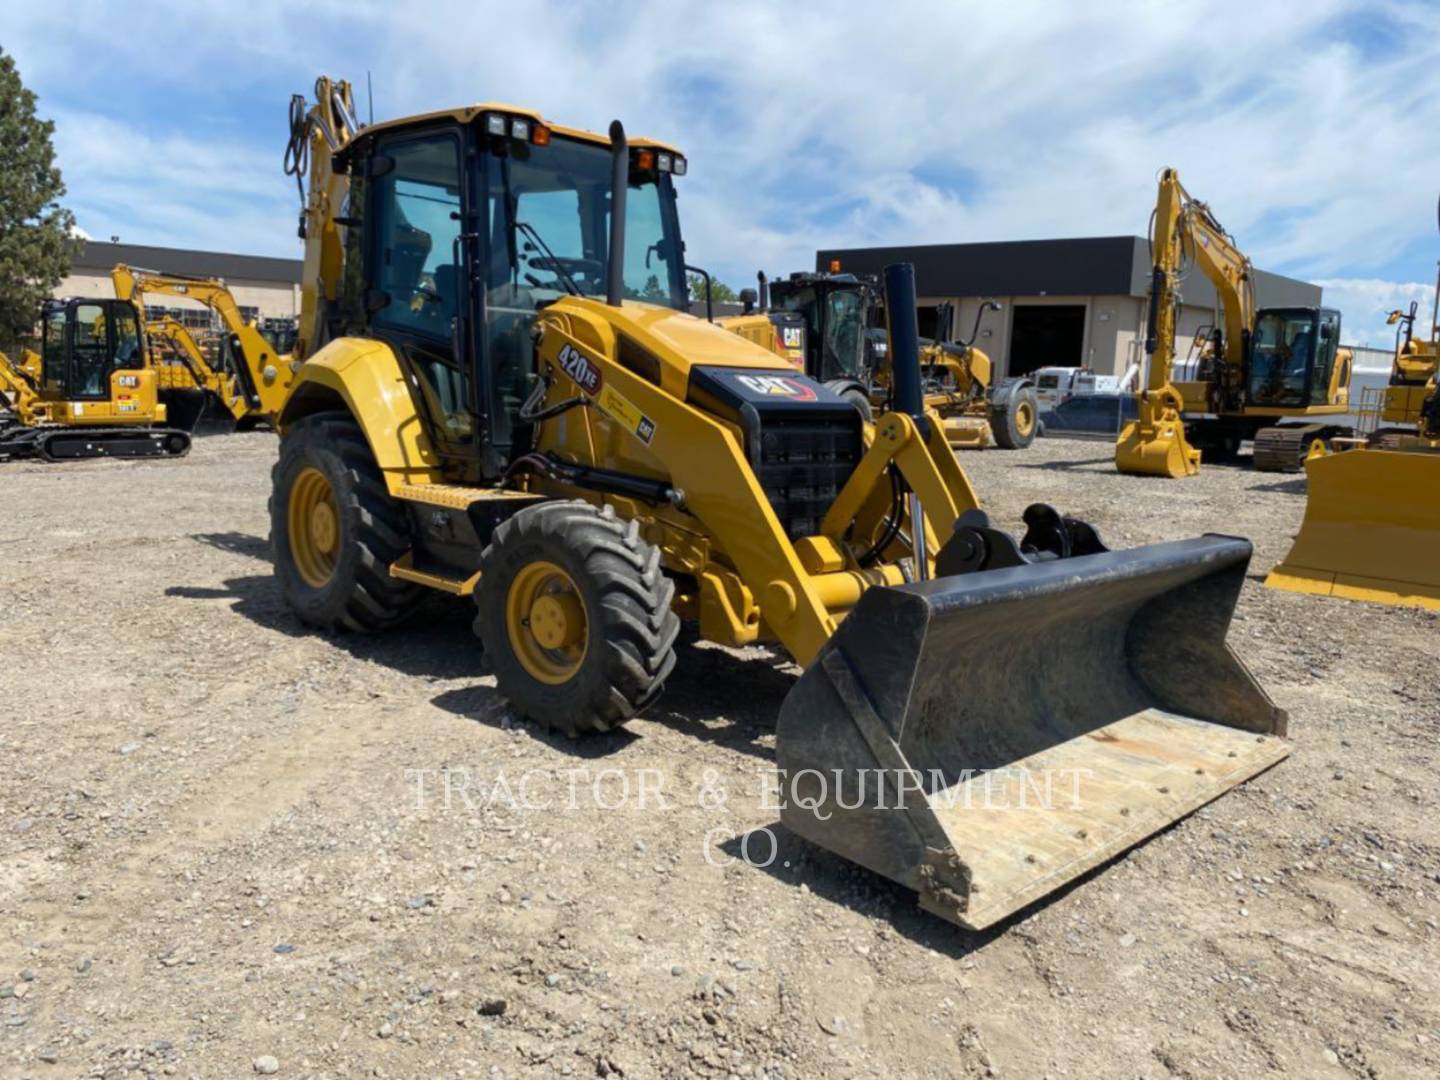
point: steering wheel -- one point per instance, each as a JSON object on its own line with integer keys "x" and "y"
{"x": 592, "y": 270}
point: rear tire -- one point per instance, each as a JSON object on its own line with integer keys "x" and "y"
{"x": 574, "y": 615}
{"x": 1016, "y": 421}
{"x": 334, "y": 563}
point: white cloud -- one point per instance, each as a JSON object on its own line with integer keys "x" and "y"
{"x": 1365, "y": 303}
{"x": 858, "y": 124}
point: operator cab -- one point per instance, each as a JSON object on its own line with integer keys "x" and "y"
{"x": 470, "y": 223}
{"x": 1292, "y": 357}
{"x": 835, "y": 308}
{"x": 83, "y": 343}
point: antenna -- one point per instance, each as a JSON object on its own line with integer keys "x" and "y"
{"x": 370, "y": 95}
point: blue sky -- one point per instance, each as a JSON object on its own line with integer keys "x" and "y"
{"x": 1306, "y": 127}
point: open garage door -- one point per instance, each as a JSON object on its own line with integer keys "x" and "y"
{"x": 1044, "y": 335}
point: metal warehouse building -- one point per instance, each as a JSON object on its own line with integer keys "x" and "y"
{"x": 1066, "y": 303}
{"x": 262, "y": 287}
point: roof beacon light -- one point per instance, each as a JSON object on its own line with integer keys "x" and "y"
{"x": 834, "y": 266}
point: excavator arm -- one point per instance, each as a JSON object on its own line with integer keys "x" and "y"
{"x": 318, "y": 133}
{"x": 263, "y": 378}
{"x": 1186, "y": 232}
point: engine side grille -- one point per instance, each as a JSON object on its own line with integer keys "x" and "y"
{"x": 803, "y": 465}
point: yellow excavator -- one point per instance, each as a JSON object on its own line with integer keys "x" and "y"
{"x": 492, "y": 415}
{"x": 250, "y": 382}
{"x": 1372, "y": 508}
{"x": 95, "y": 392}
{"x": 1262, "y": 376}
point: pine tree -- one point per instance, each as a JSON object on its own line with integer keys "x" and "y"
{"x": 35, "y": 241}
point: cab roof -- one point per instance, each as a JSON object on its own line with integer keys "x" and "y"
{"x": 464, "y": 114}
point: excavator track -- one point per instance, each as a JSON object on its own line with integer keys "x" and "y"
{"x": 70, "y": 443}
{"x": 1283, "y": 448}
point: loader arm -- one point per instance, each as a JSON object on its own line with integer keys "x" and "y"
{"x": 264, "y": 378}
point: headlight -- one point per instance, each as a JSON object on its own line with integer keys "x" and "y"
{"x": 521, "y": 130}
{"x": 495, "y": 124}
{"x": 664, "y": 162}
{"x": 680, "y": 165}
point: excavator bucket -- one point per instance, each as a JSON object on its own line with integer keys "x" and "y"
{"x": 1160, "y": 450}
{"x": 985, "y": 738}
{"x": 1371, "y": 529}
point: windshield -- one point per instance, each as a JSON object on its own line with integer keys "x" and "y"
{"x": 1282, "y": 353}
{"x": 550, "y": 228}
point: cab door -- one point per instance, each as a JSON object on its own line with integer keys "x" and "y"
{"x": 416, "y": 273}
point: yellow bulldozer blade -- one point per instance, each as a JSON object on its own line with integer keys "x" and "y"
{"x": 1371, "y": 529}
{"x": 1160, "y": 450}
{"x": 985, "y": 738}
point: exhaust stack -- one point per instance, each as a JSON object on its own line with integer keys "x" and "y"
{"x": 619, "y": 188}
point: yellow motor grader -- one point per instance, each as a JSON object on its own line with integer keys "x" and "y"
{"x": 835, "y": 344}
{"x": 484, "y": 410}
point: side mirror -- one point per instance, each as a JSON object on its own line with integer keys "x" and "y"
{"x": 749, "y": 298}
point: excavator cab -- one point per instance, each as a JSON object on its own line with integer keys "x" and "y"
{"x": 84, "y": 343}
{"x": 1293, "y": 354}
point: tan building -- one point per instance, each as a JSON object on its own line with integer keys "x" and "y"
{"x": 1064, "y": 303}
{"x": 264, "y": 288}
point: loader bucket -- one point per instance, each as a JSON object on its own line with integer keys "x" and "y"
{"x": 1371, "y": 529}
{"x": 987, "y": 737}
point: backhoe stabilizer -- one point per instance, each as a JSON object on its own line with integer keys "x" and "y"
{"x": 1371, "y": 529}
{"x": 985, "y": 738}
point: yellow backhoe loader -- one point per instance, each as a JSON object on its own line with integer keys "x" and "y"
{"x": 490, "y": 415}
{"x": 1261, "y": 370}
{"x": 1372, "y": 508}
{"x": 250, "y": 381}
{"x": 95, "y": 392}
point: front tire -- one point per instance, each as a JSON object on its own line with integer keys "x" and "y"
{"x": 1016, "y": 422}
{"x": 335, "y": 530}
{"x": 574, "y": 615}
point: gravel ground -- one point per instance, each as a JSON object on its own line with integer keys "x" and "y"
{"x": 228, "y": 847}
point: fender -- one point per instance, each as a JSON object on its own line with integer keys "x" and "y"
{"x": 1007, "y": 388}
{"x": 364, "y": 377}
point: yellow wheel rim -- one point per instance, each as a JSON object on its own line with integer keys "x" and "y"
{"x": 1024, "y": 418}
{"x": 314, "y": 527}
{"x": 546, "y": 622}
